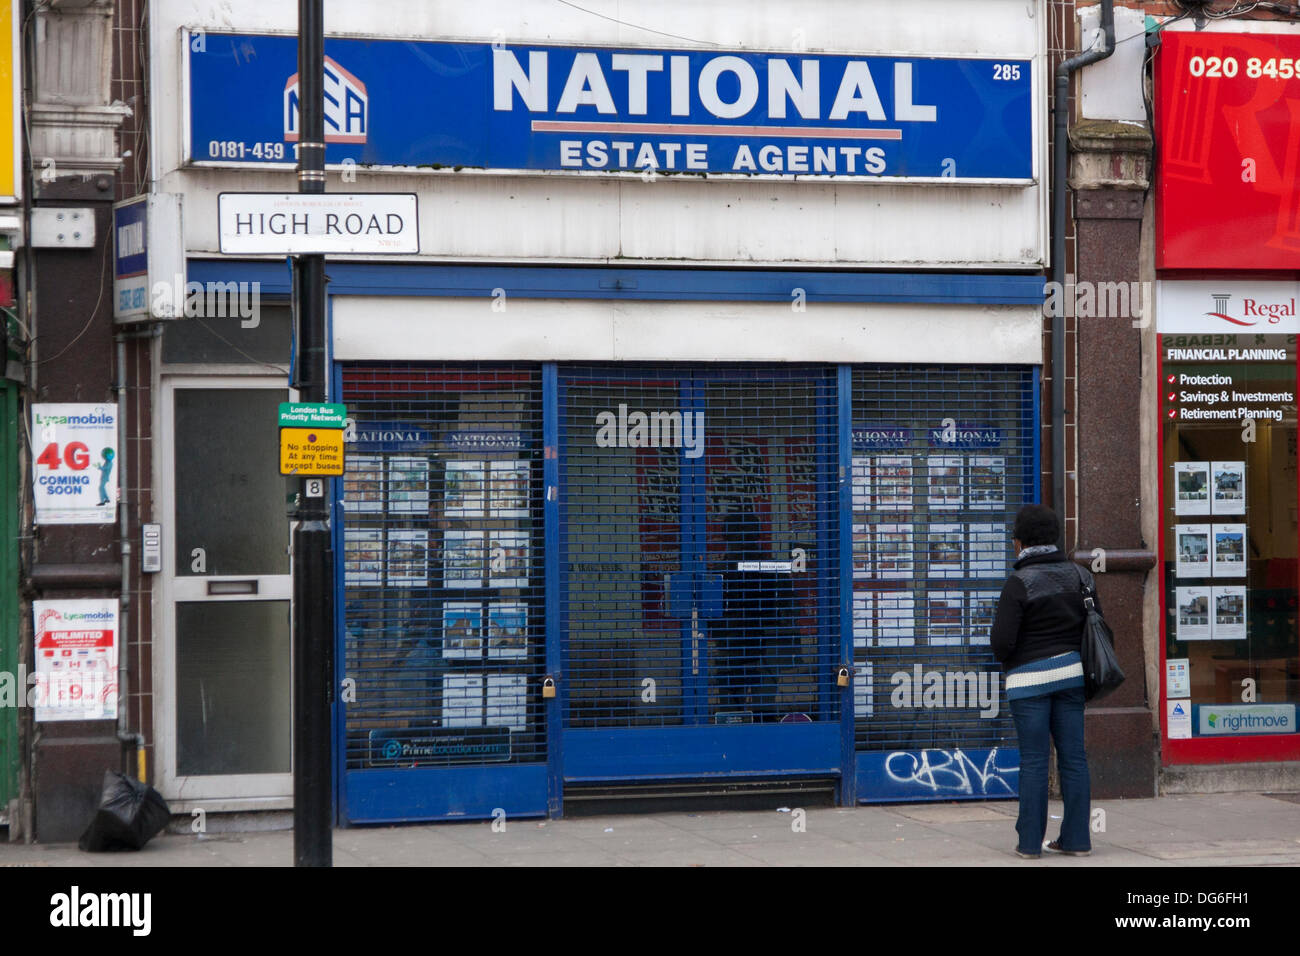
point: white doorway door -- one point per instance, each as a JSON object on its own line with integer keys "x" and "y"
{"x": 223, "y": 672}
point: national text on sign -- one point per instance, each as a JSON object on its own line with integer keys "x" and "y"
{"x": 586, "y": 84}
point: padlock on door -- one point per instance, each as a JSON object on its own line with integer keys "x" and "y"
{"x": 842, "y": 677}
{"x": 548, "y": 687}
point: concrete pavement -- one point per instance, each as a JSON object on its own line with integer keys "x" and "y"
{"x": 1238, "y": 829}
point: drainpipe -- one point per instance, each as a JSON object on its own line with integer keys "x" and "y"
{"x": 1060, "y": 173}
{"x": 128, "y": 739}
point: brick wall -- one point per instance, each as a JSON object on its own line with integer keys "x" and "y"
{"x": 130, "y": 85}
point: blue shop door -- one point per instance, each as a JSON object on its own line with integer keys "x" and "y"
{"x": 942, "y": 459}
{"x": 441, "y": 593}
{"x": 699, "y": 557}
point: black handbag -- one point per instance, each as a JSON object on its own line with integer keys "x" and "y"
{"x": 1101, "y": 670}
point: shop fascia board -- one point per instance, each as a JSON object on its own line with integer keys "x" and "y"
{"x": 371, "y": 328}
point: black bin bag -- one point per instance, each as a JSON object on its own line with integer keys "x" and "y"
{"x": 130, "y": 814}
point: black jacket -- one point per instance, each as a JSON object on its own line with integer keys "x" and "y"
{"x": 1040, "y": 612}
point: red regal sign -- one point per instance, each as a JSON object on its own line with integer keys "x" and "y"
{"x": 1228, "y": 137}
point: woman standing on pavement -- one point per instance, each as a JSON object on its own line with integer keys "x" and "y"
{"x": 1037, "y": 634}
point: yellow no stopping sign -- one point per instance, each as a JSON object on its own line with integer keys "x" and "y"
{"x": 315, "y": 452}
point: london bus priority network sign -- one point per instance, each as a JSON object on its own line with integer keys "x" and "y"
{"x": 311, "y": 439}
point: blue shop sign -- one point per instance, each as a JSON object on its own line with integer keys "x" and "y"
{"x": 473, "y": 105}
{"x": 388, "y": 437}
{"x": 484, "y": 441}
{"x": 130, "y": 259}
{"x": 398, "y": 748}
{"x": 965, "y": 436}
{"x": 868, "y": 437}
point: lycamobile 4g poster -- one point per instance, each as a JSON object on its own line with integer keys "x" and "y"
{"x": 74, "y": 463}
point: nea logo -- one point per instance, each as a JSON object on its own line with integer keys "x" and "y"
{"x": 76, "y": 909}
{"x": 347, "y": 106}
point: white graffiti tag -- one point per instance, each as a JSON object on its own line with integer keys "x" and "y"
{"x": 949, "y": 770}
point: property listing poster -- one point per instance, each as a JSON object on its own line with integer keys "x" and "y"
{"x": 1227, "y": 399}
{"x": 74, "y": 467}
{"x": 76, "y": 659}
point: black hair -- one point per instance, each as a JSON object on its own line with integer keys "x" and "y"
{"x": 1035, "y": 525}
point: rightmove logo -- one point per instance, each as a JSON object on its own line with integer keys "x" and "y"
{"x": 1244, "y": 719}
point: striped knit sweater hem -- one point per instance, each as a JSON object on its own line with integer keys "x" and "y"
{"x": 1045, "y": 676}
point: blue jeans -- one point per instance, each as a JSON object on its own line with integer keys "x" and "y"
{"x": 1058, "y": 716}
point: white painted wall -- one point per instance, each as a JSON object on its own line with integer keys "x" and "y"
{"x": 471, "y": 216}
{"x": 1112, "y": 89}
{"x": 377, "y": 328}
